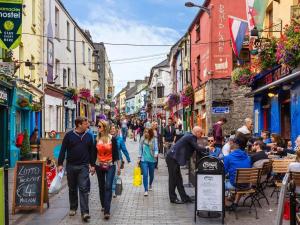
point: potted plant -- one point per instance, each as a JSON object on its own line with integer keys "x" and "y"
{"x": 25, "y": 148}
{"x": 241, "y": 76}
{"x": 85, "y": 93}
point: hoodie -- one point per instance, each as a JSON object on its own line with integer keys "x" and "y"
{"x": 235, "y": 160}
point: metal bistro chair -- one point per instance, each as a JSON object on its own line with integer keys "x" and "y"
{"x": 248, "y": 177}
{"x": 295, "y": 178}
{"x": 280, "y": 167}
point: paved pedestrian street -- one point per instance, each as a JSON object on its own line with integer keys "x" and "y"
{"x": 133, "y": 208}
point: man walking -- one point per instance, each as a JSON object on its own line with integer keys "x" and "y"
{"x": 178, "y": 156}
{"x": 169, "y": 134}
{"x": 78, "y": 144}
{"x": 218, "y": 133}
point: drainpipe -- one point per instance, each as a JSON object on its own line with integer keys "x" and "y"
{"x": 75, "y": 67}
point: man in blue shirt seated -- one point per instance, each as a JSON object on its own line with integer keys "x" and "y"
{"x": 237, "y": 159}
{"x": 177, "y": 156}
{"x": 214, "y": 150}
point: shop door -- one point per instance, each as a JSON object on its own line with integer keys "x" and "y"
{"x": 286, "y": 120}
{"x": 3, "y": 135}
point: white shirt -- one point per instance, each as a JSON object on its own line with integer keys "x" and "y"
{"x": 226, "y": 149}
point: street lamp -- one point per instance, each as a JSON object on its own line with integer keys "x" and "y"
{"x": 191, "y": 4}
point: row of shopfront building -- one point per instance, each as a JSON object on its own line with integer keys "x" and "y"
{"x": 197, "y": 78}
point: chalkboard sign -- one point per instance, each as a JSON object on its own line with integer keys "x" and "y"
{"x": 30, "y": 189}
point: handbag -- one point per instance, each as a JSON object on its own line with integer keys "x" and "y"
{"x": 104, "y": 166}
{"x": 137, "y": 177}
{"x": 119, "y": 186}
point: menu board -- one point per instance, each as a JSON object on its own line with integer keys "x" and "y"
{"x": 209, "y": 197}
{"x": 29, "y": 187}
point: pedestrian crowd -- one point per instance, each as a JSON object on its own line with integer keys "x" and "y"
{"x": 104, "y": 152}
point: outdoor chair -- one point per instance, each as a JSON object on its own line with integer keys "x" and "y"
{"x": 246, "y": 183}
{"x": 263, "y": 180}
{"x": 280, "y": 168}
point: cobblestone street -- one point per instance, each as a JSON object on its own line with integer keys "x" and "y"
{"x": 133, "y": 208}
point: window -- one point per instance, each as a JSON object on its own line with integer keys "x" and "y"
{"x": 83, "y": 52}
{"x": 89, "y": 58}
{"x": 198, "y": 70}
{"x": 198, "y": 32}
{"x": 57, "y": 67}
{"x": 69, "y": 77}
{"x": 33, "y": 13}
{"x": 32, "y": 69}
{"x": 160, "y": 92}
{"x": 68, "y": 36}
{"x": 57, "y": 23}
{"x": 90, "y": 85}
{"x": 84, "y": 82}
{"x": 187, "y": 77}
{"x": 64, "y": 78}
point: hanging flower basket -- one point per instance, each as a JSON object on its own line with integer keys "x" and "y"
{"x": 23, "y": 102}
{"x": 36, "y": 107}
{"x": 187, "y": 96}
{"x": 85, "y": 93}
{"x": 241, "y": 76}
{"x": 173, "y": 100}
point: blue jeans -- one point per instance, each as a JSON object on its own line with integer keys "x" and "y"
{"x": 124, "y": 131}
{"x": 105, "y": 181}
{"x": 147, "y": 168}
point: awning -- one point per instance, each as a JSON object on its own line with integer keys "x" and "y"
{"x": 281, "y": 81}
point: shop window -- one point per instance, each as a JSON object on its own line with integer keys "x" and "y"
{"x": 18, "y": 122}
{"x": 285, "y": 113}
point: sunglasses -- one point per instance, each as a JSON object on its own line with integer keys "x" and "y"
{"x": 210, "y": 141}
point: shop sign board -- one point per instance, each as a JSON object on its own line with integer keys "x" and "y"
{"x": 220, "y": 110}
{"x": 10, "y": 23}
{"x": 200, "y": 95}
{"x": 7, "y": 68}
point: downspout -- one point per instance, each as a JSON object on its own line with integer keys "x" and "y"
{"x": 75, "y": 68}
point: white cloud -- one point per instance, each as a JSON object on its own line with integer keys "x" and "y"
{"x": 111, "y": 25}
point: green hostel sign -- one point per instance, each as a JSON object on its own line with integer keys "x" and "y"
{"x": 10, "y": 23}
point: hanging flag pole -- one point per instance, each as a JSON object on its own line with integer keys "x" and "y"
{"x": 237, "y": 28}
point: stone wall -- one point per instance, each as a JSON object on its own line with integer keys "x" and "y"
{"x": 221, "y": 92}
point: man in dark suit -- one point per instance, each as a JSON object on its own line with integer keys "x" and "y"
{"x": 178, "y": 156}
{"x": 169, "y": 133}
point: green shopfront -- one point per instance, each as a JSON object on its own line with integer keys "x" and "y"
{"x": 5, "y": 103}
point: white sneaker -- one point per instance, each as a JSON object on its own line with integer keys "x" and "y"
{"x": 150, "y": 188}
{"x": 146, "y": 193}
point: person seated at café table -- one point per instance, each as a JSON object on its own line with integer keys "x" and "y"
{"x": 265, "y": 135}
{"x": 259, "y": 154}
{"x": 277, "y": 145}
{"x": 295, "y": 166}
{"x": 214, "y": 150}
{"x": 237, "y": 158}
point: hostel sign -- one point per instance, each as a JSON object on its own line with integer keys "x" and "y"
{"x": 10, "y": 23}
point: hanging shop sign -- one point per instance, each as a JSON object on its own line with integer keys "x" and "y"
{"x": 10, "y": 23}
{"x": 3, "y": 96}
{"x": 7, "y": 68}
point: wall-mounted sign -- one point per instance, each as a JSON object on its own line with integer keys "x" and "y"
{"x": 200, "y": 95}
{"x": 220, "y": 110}
{"x": 3, "y": 96}
{"x": 7, "y": 68}
{"x": 10, "y": 23}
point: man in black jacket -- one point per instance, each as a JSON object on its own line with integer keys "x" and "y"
{"x": 178, "y": 156}
{"x": 78, "y": 144}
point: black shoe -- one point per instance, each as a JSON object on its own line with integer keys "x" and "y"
{"x": 231, "y": 207}
{"x": 86, "y": 217}
{"x": 177, "y": 201}
{"x": 188, "y": 200}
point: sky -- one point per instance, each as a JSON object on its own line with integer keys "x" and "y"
{"x": 135, "y": 22}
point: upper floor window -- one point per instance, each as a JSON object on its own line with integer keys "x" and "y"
{"x": 69, "y": 77}
{"x": 33, "y": 13}
{"x": 197, "y": 32}
{"x": 160, "y": 91}
{"x": 65, "y": 78}
{"x": 57, "y": 23}
{"x": 89, "y": 58}
{"x": 198, "y": 70}
{"x": 83, "y": 52}
{"x": 68, "y": 36}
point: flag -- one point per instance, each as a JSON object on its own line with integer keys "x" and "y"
{"x": 237, "y": 29}
{"x": 256, "y": 10}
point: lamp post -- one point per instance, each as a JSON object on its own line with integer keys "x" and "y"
{"x": 191, "y": 4}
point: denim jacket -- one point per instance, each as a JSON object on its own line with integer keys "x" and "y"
{"x": 153, "y": 147}
{"x": 122, "y": 148}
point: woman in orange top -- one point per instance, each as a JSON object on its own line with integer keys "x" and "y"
{"x": 106, "y": 161}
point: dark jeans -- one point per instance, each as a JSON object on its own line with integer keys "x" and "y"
{"x": 175, "y": 180}
{"x": 78, "y": 178}
{"x": 105, "y": 181}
